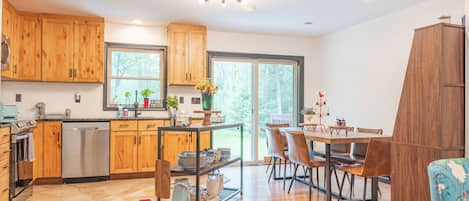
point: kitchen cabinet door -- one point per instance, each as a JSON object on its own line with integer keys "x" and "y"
{"x": 147, "y": 150}
{"x": 178, "y": 57}
{"x": 9, "y": 25}
{"x": 197, "y": 56}
{"x": 175, "y": 143}
{"x": 38, "y": 164}
{"x": 29, "y": 56}
{"x": 204, "y": 141}
{"x": 123, "y": 152}
{"x": 57, "y": 49}
{"x": 89, "y": 51}
{"x": 52, "y": 149}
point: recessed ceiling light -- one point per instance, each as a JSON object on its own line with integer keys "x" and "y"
{"x": 308, "y": 23}
{"x": 137, "y": 22}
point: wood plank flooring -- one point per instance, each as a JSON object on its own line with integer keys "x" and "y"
{"x": 255, "y": 189}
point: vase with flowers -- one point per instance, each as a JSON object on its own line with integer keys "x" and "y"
{"x": 207, "y": 90}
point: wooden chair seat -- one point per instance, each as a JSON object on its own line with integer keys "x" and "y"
{"x": 356, "y": 169}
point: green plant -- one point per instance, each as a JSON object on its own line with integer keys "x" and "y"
{"x": 146, "y": 93}
{"x": 172, "y": 102}
{"x": 127, "y": 94}
{"x": 307, "y": 111}
{"x": 114, "y": 99}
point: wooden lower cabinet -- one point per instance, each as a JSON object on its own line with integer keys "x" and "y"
{"x": 4, "y": 164}
{"x": 52, "y": 149}
{"x": 123, "y": 152}
{"x": 177, "y": 142}
{"x": 38, "y": 164}
{"x": 147, "y": 150}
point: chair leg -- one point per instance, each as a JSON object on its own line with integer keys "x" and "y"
{"x": 305, "y": 171}
{"x": 279, "y": 168}
{"x": 294, "y": 176}
{"x": 352, "y": 184}
{"x": 310, "y": 182}
{"x": 336, "y": 177}
{"x": 284, "y": 173}
{"x": 268, "y": 166}
{"x": 364, "y": 190}
{"x": 272, "y": 170}
{"x": 341, "y": 187}
{"x": 317, "y": 177}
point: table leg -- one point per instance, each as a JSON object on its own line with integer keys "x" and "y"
{"x": 197, "y": 165}
{"x": 328, "y": 173}
{"x": 374, "y": 189}
{"x": 241, "y": 162}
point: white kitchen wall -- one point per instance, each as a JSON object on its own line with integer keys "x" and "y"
{"x": 364, "y": 65}
{"x": 59, "y": 96}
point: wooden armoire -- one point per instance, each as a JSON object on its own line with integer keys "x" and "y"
{"x": 430, "y": 119}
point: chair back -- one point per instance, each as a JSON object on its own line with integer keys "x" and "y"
{"x": 276, "y": 143}
{"x": 298, "y": 148}
{"x": 378, "y": 159}
{"x": 359, "y": 149}
{"x": 449, "y": 179}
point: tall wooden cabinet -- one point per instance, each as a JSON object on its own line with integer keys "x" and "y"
{"x": 430, "y": 119}
{"x": 9, "y": 30}
{"x": 187, "y": 52}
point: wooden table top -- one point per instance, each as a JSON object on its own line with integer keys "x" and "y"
{"x": 328, "y": 138}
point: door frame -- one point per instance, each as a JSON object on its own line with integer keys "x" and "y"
{"x": 256, "y": 59}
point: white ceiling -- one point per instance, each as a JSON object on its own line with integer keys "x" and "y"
{"x": 271, "y": 16}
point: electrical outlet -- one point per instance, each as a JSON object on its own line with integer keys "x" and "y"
{"x": 181, "y": 99}
{"x": 195, "y": 100}
{"x": 18, "y": 98}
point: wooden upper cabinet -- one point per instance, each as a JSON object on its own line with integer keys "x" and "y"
{"x": 187, "y": 50}
{"x": 52, "y": 149}
{"x": 29, "y": 56}
{"x": 9, "y": 26}
{"x": 89, "y": 51}
{"x": 57, "y": 49}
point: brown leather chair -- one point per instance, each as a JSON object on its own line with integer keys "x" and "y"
{"x": 276, "y": 150}
{"x": 272, "y": 125}
{"x": 377, "y": 163}
{"x": 299, "y": 155}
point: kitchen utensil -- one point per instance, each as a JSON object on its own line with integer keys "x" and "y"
{"x": 68, "y": 113}
{"x": 41, "y": 106}
{"x": 213, "y": 184}
{"x": 182, "y": 190}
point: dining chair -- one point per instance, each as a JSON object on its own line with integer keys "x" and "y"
{"x": 299, "y": 155}
{"x": 376, "y": 164}
{"x": 276, "y": 150}
{"x": 273, "y": 125}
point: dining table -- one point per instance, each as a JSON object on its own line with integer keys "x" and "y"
{"x": 329, "y": 138}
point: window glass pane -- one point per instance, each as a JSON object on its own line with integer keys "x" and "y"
{"x": 119, "y": 87}
{"x": 135, "y": 64}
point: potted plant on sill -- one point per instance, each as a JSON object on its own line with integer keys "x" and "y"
{"x": 172, "y": 105}
{"x": 308, "y": 114}
{"x": 207, "y": 90}
{"x": 146, "y": 93}
{"x": 127, "y": 96}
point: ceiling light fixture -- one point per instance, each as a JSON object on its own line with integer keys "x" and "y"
{"x": 224, "y": 3}
{"x": 137, "y": 22}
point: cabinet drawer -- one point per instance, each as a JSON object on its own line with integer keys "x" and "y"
{"x": 149, "y": 125}
{"x": 4, "y": 167}
{"x": 4, "y": 135}
{"x": 124, "y": 125}
{"x": 4, "y": 152}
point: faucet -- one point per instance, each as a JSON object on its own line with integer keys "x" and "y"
{"x": 136, "y": 112}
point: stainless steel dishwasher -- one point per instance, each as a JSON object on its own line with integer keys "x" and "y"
{"x": 85, "y": 151}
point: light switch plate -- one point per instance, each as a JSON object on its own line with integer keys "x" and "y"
{"x": 18, "y": 98}
{"x": 181, "y": 99}
{"x": 195, "y": 100}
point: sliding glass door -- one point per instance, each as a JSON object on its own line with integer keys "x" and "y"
{"x": 255, "y": 92}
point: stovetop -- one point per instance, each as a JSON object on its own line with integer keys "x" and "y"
{"x": 22, "y": 126}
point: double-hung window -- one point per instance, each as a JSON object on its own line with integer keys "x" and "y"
{"x": 132, "y": 69}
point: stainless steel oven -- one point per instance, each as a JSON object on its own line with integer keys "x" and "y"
{"x": 21, "y": 160}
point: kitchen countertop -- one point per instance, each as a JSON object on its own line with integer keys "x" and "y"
{"x": 104, "y": 119}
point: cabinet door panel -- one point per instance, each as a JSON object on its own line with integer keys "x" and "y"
{"x": 174, "y": 143}
{"x": 204, "y": 141}
{"x": 38, "y": 164}
{"x": 177, "y": 57}
{"x": 123, "y": 153}
{"x": 8, "y": 26}
{"x": 52, "y": 149}
{"x": 147, "y": 150}
{"x": 89, "y": 51}
{"x": 29, "y": 56}
{"x": 197, "y": 56}
{"x": 57, "y": 49}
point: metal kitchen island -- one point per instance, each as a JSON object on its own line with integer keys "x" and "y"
{"x": 227, "y": 193}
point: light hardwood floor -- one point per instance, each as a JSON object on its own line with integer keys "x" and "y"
{"x": 255, "y": 189}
